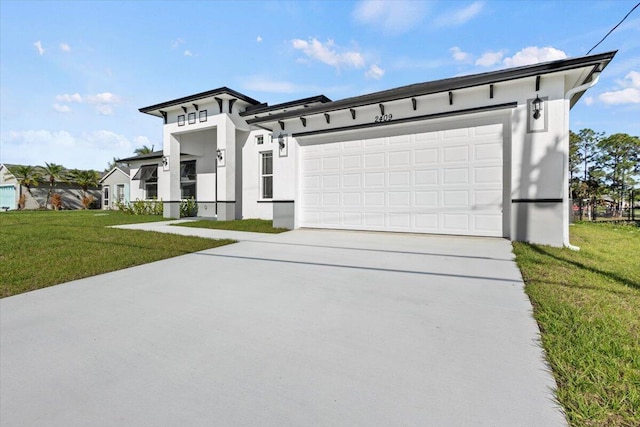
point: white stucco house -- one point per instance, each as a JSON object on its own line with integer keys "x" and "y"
{"x": 478, "y": 155}
{"x": 115, "y": 187}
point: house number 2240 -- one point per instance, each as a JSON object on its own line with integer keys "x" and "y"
{"x": 383, "y": 118}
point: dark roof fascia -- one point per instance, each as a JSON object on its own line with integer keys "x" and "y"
{"x": 197, "y": 97}
{"x": 153, "y": 155}
{"x": 445, "y": 85}
{"x": 259, "y": 109}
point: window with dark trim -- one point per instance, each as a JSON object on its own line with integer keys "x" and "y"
{"x": 259, "y": 139}
{"x": 181, "y": 120}
{"x": 266, "y": 175}
{"x": 192, "y": 118}
{"x": 203, "y": 115}
{"x": 188, "y": 179}
{"x": 148, "y": 177}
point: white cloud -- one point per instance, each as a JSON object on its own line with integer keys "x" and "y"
{"x": 104, "y": 109}
{"x": 589, "y": 100}
{"x": 177, "y": 42}
{"x": 61, "y": 108}
{"x": 69, "y": 98}
{"x": 328, "y": 54}
{"x": 397, "y": 16}
{"x": 258, "y": 39}
{"x": 460, "y": 16}
{"x": 65, "y": 47}
{"x": 86, "y": 150}
{"x": 534, "y": 55}
{"x": 188, "y": 53}
{"x": 489, "y": 59}
{"x": 459, "y": 55}
{"x": 629, "y": 94}
{"x": 103, "y": 98}
{"x": 39, "y": 47}
{"x": 374, "y": 72}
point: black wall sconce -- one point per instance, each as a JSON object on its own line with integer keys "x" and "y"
{"x": 281, "y": 141}
{"x": 219, "y": 154}
{"x": 536, "y": 106}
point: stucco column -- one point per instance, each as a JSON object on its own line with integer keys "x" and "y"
{"x": 171, "y": 201}
{"x": 226, "y": 191}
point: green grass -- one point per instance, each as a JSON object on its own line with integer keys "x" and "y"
{"x": 44, "y": 248}
{"x": 253, "y": 225}
{"x": 587, "y": 304}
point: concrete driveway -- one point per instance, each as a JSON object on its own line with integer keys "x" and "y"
{"x": 309, "y": 327}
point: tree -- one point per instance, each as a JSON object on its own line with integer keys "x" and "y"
{"x": 85, "y": 179}
{"x": 52, "y": 173}
{"x": 27, "y": 176}
{"x": 585, "y": 152}
{"x": 143, "y": 150}
{"x": 619, "y": 158}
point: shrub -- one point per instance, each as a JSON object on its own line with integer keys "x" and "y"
{"x": 188, "y": 207}
{"x": 141, "y": 207}
{"x": 87, "y": 200}
{"x": 56, "y": 201}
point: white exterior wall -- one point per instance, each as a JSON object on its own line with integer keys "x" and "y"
{"x": 252, "y": 206}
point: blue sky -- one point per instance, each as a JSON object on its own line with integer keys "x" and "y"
{"x": 73, "y": 74}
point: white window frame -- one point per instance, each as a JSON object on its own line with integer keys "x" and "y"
{"x": 263, "y": 175}
{"x": 119, "y": 196}
{"x": 259, "y": 139}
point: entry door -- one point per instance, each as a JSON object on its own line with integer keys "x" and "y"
{"x": 444, "y": 182}
{"x": 105, "y": 198}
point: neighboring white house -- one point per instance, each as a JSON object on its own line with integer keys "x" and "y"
{"x": 479, "y": 155}
{"x": 9, "y": 189}
{"x": 115, "y": 187}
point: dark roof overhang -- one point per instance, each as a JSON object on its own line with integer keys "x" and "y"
{"x": 597, "y": 62}
{"x": 265, "y": 109}
{"x": 154, "y": 110}
{"x": 152, "y": 155}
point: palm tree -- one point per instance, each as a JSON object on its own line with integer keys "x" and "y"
{"x": 27, "y": 176}
{"x": 85, "y": 179}
{"x": 52, "y": 173}
{"x": 143, "y": 150}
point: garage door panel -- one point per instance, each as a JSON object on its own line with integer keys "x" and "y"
{"x": 402, "y": 178}
{"x": 455, "y": 176}
{"x": 352, "y": 180}
{"x": 446, "y": 182}
{"x": 374, "y": 160}
{"x": 374, "y": 179}
{"x": 459, "y": 154}
{"x": 426, "y": 177}
{"x": 487, "y": 175}
{"x": 426, "y": 156}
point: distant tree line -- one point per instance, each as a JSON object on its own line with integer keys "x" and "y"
{"x": 52, "y": 173}
{"x": 603, "y": 167}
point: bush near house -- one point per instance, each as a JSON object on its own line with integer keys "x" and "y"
{"x": 587, "y": 305}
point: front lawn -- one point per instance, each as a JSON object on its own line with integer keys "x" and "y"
{"x": 253, "y": 225}
{"x": 587, "y": 304}
{"x": 44, "y": 248}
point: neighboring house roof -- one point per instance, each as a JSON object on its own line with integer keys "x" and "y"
{"x": 122, "y": 169}
{"x": 597, "y": 62}
{"x": 148, "y": 156}
{"x": 154, "y": 110}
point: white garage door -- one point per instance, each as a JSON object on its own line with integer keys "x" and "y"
{"x": 444, "y": 182}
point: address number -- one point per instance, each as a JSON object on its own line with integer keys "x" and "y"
{"x": 383, "y": 118}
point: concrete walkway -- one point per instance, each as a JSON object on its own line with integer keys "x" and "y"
{"x": 309, "y": 327}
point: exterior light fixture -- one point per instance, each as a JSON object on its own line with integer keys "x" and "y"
{"x": 537, "y": 107}
{"x": 281, "y": 141}
{"x": 219, "y": 154}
